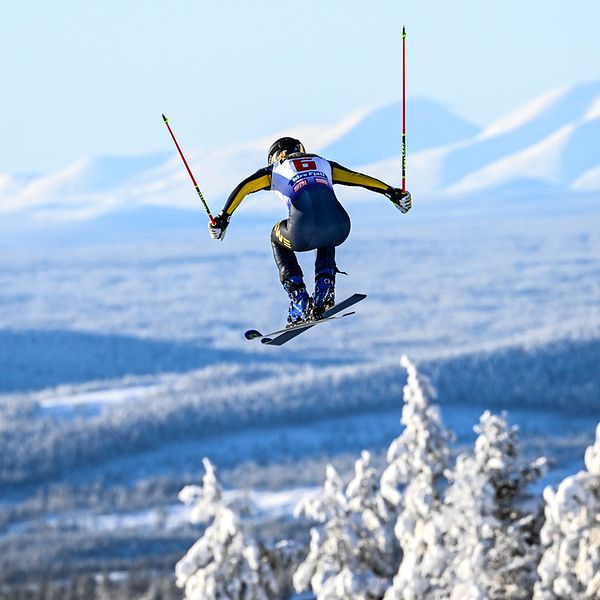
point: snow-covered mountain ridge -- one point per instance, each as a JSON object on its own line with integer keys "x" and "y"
{"x": 551, "y": 143}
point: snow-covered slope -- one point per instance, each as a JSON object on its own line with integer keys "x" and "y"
{"x": 377, "y": 136}
{"x": 95, "y": 186}
{"x": 551, "y": 143}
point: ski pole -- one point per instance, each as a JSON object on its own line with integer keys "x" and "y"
{"x": 403, "y": 109}
{"x": 212, "y": 221}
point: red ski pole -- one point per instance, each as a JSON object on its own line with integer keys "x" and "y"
{"x": 403, "y": 109}
{"x": 212, "y": 221}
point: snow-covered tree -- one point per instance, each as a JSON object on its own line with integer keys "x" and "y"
{"x": 411, "y": 487}
{"x": 570, "y": 566}
{"x": 423, "y": 446}
{"x": 349, "y": 555}
{"x": 516, "y": 549}
{"x": 205, "y": 500}
{"x": 488, "y": 527}
{"x": 368, "y": 511}
{"x": 225, "y": 563}
{"x": 353, "y": 554}
{"x": 497, "y": 454}
{"x": 418, "y": 530}
{"x": 468, "y": 522}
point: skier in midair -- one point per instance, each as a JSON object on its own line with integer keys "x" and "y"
{"x": 316, "y": 220}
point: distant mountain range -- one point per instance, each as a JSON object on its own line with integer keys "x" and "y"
{"x": 550, "y": 144}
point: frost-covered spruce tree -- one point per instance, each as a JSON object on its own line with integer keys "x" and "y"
{"x": 423, "y": 446}
{"x": 467, "y": 521}
{"x": 366, "y": 508}
{"x": 348, "y": 556}
{"x": 410, "y": 485}
{"x": 516, "y": 550}
{"x": 488, "y": 527}
{"x": 570, "y": 566}
{"x": 418, "y": 531}
{"x": 225, "y": 563}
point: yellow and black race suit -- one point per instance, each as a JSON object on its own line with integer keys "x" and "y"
{"x": 317, "y": 220}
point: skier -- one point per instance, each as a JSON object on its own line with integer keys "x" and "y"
{"x": 316, "y": 220}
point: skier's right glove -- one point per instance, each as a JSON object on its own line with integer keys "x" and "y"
{"x": 401, "y": 200}
{"x": 218, "y": 230}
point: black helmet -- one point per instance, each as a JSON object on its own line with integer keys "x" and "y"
{"x": 288, "y": 145}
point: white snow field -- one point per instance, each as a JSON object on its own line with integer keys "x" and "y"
{"x": 122, "y": 356}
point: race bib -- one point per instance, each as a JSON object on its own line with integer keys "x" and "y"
{"x": 292, "y": 176}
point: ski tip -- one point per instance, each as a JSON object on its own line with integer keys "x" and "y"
{"x": 403, "y": 32}
{"x": 266, "y": 340}
{"x": 252, "y": 334}
{"x": 164, "y": 118}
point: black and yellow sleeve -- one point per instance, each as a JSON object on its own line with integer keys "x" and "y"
{"x": 345, "y": 176}
{"x": 261, "y": 180}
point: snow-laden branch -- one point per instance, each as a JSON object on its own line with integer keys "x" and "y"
{"x": 570, "y": 566}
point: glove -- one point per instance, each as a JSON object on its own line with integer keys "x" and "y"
{"x": 401, "y": 200}
{"x": 218, "y": 230}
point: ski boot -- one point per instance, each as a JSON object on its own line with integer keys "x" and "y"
{"x": 300, "y": 302}
{"x": 324, "y": 296}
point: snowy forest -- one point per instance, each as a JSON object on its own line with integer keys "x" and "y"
{"x": 429, "y": 526}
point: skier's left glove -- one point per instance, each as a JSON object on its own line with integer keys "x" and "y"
{"x": 218, "y": 230}
{"x": 401, "y": 200}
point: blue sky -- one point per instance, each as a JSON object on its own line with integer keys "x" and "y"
{"x": 92, "y": 78}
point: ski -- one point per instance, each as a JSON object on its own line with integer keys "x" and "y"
{"x": 278, "y": 338}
